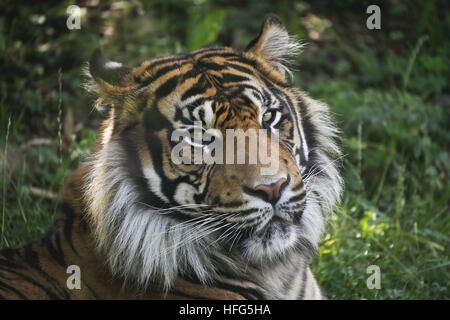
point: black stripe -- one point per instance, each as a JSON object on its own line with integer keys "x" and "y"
{"x": 167, "y": 87}
{"x": 241, "y": 68}
{"x": 91, "y": 290}
{"x": 156, "y": 62}
{"x": 154, "y": 144}
{"x": 47, "y": 291}
{"x": 205, "y": 66}
{"x": 225, "y": 55}
{"x": 185, "y": 295}
{"x": 158, "y": 74}
{"x": 310, "y": 132}
{"x": 199, "y": 88}
{"x": 9, "y": 264}
{"x": 231, "y": 77}
{"x": 298, "y": 197}
{"x": 248, "y": 293}
{"x": 200, "y": 198}
{"x": 31, "y": 257}
{"x": 210, "y": 52}
{"x": 69, "y": 215}
{"x": 298, "y": 187}
{"x": 56, "y": 254}
{"x": 134, "y": 167}
{"x": 8, "y": 253}
{"x": 17, "y": 292}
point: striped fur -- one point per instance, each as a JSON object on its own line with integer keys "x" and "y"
{"x": 141, "y": 226}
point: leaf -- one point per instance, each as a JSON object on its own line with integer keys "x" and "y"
{"x": 204, "y": 31}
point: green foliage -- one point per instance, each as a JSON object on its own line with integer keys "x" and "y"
{"x": 204, "y": 31}
{"x": 388, "y": 91}
{"x": 395, "y": 209}
{"x": 26, "y": 213}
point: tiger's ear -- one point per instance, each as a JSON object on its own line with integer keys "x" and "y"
{"x": 274, "y": 44}
{"x": 112, "y": 79}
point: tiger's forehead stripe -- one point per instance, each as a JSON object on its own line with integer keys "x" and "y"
{"x": 203, "y": 75}
{"x": 231, "y": 66}
{"x": 218, "y": 75}
{"x": 228, "y": 81}
{"x": 149, "y": 68}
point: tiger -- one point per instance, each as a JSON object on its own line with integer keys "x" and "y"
{"x": 137, "y": 225}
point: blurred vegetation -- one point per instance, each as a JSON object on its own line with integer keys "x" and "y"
{"x": 388, "y": 90}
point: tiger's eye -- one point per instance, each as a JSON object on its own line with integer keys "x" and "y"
{"x": 267, "y": 116}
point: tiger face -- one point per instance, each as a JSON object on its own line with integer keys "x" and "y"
{"x": 155, "y": 216}
{"x": 221, "y": 91}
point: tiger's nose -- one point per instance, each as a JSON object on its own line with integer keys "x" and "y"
{"x": 272, "y": 192}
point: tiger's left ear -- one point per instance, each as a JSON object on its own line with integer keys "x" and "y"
{"x": 112, "y": 80}
{"x": 108, "y": 72}
{"x": 274, "y": 44}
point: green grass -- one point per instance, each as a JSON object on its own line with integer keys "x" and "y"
{"x": 395, "y": 210}
{"x": 389, "y": 96}
{"x": 28, "y": 214}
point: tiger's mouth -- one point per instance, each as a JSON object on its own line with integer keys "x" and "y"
{"x": 277, "y": 219}
{"x": 286, "y": 213}
{"x": 268, "y": 228}
{"x": 272, "y": 224}
{"x": 255, "y": 219}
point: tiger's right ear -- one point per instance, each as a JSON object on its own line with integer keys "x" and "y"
{"x": 113, "y": 79}
{"x": 274, "y": 44}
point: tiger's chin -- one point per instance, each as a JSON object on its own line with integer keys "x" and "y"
{"x": 274, "y": 240}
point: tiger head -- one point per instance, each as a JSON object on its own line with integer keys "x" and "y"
{"x": 155, "y": 218}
